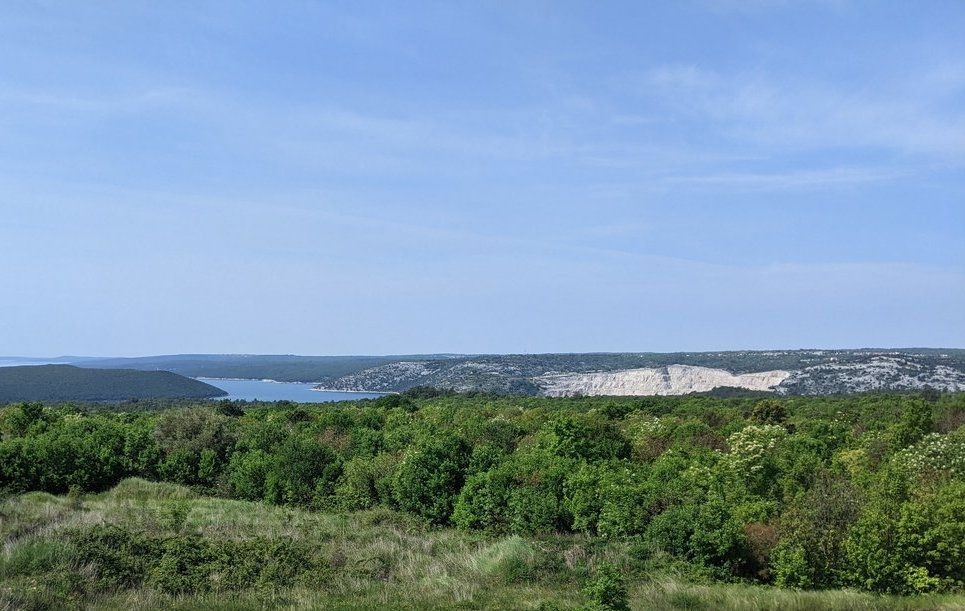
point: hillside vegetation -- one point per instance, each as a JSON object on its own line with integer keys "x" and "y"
{"x": 795, "y": 372}
{"x": 69, "y": 383}
{"x": 438, "y": 500}
{"x": 282, "y": 368}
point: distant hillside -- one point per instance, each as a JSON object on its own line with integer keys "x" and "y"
{"x": 281, "y": 368}
{"x": 789, "y": 372}
{"x": 68, "y": 383}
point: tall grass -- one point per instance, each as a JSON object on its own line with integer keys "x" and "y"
{"x": 375, "y": 559}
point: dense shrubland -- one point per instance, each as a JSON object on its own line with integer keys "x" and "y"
{"x": 863, "y": 492}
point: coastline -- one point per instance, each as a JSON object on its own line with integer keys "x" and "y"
{"x": 366, "y": 392}
{"x": 314, "y": 385}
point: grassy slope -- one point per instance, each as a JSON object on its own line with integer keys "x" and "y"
{"x": 68, "y": 383}
{"x": 379, "y": 559}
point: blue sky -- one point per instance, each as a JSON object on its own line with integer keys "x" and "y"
{"x": 363, "y": 178}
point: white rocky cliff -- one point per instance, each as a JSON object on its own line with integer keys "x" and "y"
{"x": 672, "y": 380}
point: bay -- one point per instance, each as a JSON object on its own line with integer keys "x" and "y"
{"x": 268, "y": 390}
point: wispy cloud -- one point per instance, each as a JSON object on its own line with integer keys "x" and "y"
{"x": 919, "y": 114}
{"x": 757, "y": 181}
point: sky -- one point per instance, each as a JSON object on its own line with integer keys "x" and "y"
{"x": 385, "y": 178}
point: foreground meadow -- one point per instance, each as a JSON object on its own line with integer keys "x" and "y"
{"x": 148, "y": 545}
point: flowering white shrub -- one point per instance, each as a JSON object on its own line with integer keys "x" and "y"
{"x": 936, "y": 452}
{"x": 648, "y": 426}
{"x": 750, "y": 446}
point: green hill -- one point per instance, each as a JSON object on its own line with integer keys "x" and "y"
{"x": 68, "y": 383}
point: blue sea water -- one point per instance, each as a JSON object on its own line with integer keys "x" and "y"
{"x": 265, "y": 390}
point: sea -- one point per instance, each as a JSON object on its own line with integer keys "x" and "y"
{"x": 269, "y": 390}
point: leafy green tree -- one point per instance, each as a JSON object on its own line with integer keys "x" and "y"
{"x": 19, "y": 418}
{"x": 920, "y": 547}
{"x": 430, "y": 477}
{"x": 365, "y": 482}
{"x": 303, "y": 472}
{"x": 184, "y": 435}
{"x": 588, "y": 437}
{"x": 483, "y": 502}
{"x": 769, "y": 411}
{"x": 813, "y": 530}
{"x": 247, "y": 474}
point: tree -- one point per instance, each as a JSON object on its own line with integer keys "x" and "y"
{"x": 430, "y": 477}
{"x": 769, "y": 411}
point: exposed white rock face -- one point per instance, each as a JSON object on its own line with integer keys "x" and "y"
{"x": 886, "y": 372}
{"x": 672, "y": 380}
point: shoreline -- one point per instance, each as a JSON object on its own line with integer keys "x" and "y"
{"x": 366, "y": 392}
{"x": 313, "y": 385}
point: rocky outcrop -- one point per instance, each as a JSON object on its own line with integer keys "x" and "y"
{"x": 787, "y": 372}
{"x": 884, "y": 372}
{"x": 672, "y": 380}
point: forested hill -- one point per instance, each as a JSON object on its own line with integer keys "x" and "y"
{"x": 68, "y": 383}
{"x": 278, "y": 367}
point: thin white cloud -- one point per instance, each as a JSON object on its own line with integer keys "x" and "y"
{"x": 922, "y": 114}
{"x": 757, "y": 181}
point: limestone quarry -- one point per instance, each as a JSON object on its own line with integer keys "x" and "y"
{"x": 672, "y": 380}
{"x": 784, "y": 372}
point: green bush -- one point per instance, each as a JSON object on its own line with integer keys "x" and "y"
{"x": 184, "y": 566}
{"x": 120, "y": 558}
{"x": 357, "y": 489}
{"x": 918, "y": 546}
{"x": 482, "y": 503}
{"x": 535, "y": 502}
{"x": 607, "y": 590}
{"x": 769, "y": 411}
{"x": 303, "y": 472}
{"x": 430, "y": 477}
{"x": 247, "y": 473}
{"x": 589, "y": 437}
{"x": 195, "y": 443}
{"x": 813, "y": 532}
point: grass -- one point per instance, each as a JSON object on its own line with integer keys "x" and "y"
{"x": 374, "y": 559}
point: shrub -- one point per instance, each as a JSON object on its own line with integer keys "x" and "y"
{"x": 607, "y": 590}
{"x": 430, "y": 477}
{"x": 482, "y": 503}
{"x": 403, "y": 402}
{"x": 535, "y": 501}
{"x": 120, "y": 558}
{"x": 916, "y": 422}
{"x": 588, "y": 437}
{"x": 247, "y": 473}
{"x": 813, "y": 530}
{"x": 195, "y": 443}
{"x": 628, "y": 501}
{"x": 184, "y": 566}
{"x": 356, "y": 489}
{"x": 769, "y": 411}
{"x": 916, "y": 547}
{"x": 582, "y": 497}
{"x": 706, "y": 534}
{"x": 303, "y": 472}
